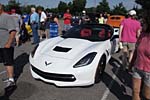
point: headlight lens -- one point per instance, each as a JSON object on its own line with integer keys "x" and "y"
{"x": 34, "y": 50}
{"x": 86, "y": 60}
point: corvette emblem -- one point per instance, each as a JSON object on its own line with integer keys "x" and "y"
{"x": 46, "y": 63}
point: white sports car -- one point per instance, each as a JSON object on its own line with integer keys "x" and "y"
{"x": 77, "y": 58}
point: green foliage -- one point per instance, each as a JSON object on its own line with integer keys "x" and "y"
{"x": 12, "y": 4}
{"x": 62, "y": 6}
{"x": 144, "y": 3}
{"x": 27, "y": 9}
{"x": 119, "y": 9}
{"x": 90, "y": 10}
{"x": 40, "y": 7}
{"x": 54, "y": 10}
{"x": 103, "y": 6}
{"x": 48, "y": 10}
{"x": 78, "y": 6}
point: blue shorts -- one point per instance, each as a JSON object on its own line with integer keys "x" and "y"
{"x": 67, "y": 27}
{"x": 139, "y": 74}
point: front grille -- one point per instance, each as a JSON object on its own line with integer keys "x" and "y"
{"x": 54, "y": 76}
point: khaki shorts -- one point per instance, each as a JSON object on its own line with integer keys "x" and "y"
{"x": 144, "y": 76}
{"x": 128, "y": 46}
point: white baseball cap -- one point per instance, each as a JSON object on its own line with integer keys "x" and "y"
{"x": 132, "y": 12}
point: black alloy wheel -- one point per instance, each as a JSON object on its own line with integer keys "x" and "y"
{"x": 100, "y": 69}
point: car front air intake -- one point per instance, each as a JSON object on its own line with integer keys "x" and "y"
{"x": 61, "y": 49}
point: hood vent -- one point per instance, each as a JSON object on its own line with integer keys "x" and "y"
{"x": 61, "y": 49}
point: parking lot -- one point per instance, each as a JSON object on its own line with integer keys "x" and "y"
{"x": 114, "y": 85}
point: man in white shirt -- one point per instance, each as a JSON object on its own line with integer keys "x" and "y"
{"x": 43, "y": 18}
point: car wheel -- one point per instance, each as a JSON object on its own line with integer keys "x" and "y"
{"x": 100, "y": 69}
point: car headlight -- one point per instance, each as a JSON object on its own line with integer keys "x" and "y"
{"x": 34, "y": 50}
{"x": 86, "y": 60}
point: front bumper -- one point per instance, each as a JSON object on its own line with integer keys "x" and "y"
{"x": 80, "y": 78}
{"x": 54, "y": 76}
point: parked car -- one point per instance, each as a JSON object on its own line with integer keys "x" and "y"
{"x": 78, "y": 58}
{"x": 115, "y": 21}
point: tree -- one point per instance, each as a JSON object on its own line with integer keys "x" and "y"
{"x": 62, "y": 6}
{"x": 12, "y": 4}
{"x": 90, "y": 10}
{"x": 27, "y": 9}
{"x": 144, "y": 3}
{"x": 103, "y": 7}
{"x": 40, "y": 7}
{"x": 119, "y": 9}
{"x": 78, "y": 6}
{"x": 48, "y": 10}
{"x": 54, "y": 10}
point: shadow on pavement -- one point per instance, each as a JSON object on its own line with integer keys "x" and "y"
{"x": 124, "y": 76}
{"x": 8, "y": 92}
{"x": 118, "y": 90}
{"x": 20, "y": 62}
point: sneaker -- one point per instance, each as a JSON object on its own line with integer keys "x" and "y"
{"x": 9, "y": 84}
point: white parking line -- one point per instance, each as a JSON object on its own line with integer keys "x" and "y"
{"x": 107, "y": 91}
{"x": 2, "y": 72}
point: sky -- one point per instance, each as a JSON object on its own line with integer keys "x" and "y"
{"x": 90, "y": 3}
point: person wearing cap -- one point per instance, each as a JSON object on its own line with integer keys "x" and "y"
{"x": 130, "y": 30}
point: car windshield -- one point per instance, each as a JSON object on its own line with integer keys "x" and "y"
{"x": 91, "y": 32}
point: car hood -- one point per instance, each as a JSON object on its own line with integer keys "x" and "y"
{"x": 68, "y": 48}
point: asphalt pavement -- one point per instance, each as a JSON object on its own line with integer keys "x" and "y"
{"x": 115, "y": 84}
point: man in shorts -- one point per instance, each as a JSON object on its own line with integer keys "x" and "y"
{"x": 7, "y": 42}
{"x": 42, "y": 26}
{"x": 129, "y": 32}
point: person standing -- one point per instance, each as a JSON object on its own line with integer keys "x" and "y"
{"x": 101, "y": 19}
{"x": 54, "y": 26}
{"x": 84, "y": 18}
{"x": 7, "y": 42}
{"x": 67, "y": 20}
{"x": 42, "y": 27}
{"x": 34, "y": 20}
{"x": 141, "y": 62}
{"x": 105, "y": 17}
{"x": 18, "y": 22}
{"x": 129, "y": 32}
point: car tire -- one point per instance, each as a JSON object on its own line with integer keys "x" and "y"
{"x": 100, "y": 69}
